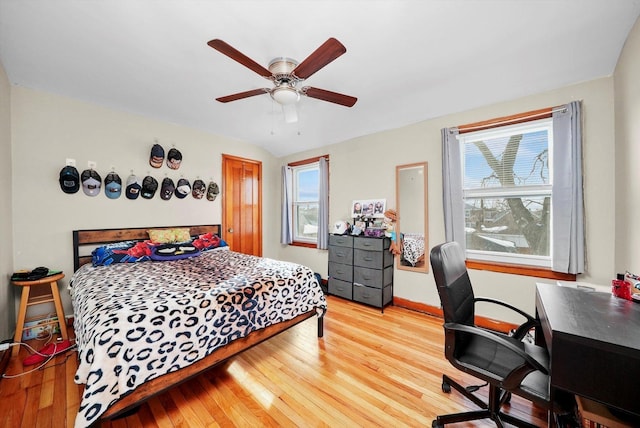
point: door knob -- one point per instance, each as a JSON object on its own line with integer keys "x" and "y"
{"x": 230, "y": 230}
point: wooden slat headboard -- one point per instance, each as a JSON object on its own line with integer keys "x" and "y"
{"x": 96, "y": 237}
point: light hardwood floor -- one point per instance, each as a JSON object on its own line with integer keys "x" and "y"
{"x": 369, "y": 369}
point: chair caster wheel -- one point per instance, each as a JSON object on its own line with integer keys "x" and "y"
{"x": 436, "y": 424}
{"x": 446, "y": 388}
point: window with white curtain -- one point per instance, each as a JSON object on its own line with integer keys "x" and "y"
{"x": 507, "y": 192}
{"x": 306, "y": 201}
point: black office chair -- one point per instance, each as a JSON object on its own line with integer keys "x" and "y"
{"x": 507, "y": 363}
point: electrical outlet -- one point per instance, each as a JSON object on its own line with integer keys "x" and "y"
{"x": 92, "y": 164}
{"x": 70, "y": 162}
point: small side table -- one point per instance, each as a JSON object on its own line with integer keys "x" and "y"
{"x": 26, "y": 300}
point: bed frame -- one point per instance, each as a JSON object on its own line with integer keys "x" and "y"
{"x": 91, "y": 238}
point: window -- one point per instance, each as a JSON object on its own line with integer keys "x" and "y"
{"x": 306, "y": 201}
{"x": 507, "y": 193}
{"x": 513, "y": 195}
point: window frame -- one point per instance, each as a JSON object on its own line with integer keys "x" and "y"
{"x": 296, "y": 166}
{"x": 503, "y": 192}
{"x": 499, "y": 265}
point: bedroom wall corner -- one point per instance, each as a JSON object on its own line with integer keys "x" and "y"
{"x": 7, "y": 309}
{"x": 627, "y": 154}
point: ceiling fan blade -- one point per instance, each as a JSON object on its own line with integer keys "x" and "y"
{"x": 327, "y": 52}
{"x": 238, "y": 56}
{"x": 332, "y": 97}
{"x": 241, "y": 95}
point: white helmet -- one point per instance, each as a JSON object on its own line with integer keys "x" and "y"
{"x": 340, "y": 228}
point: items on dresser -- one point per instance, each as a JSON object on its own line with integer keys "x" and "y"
{"x": 361, "y": 269}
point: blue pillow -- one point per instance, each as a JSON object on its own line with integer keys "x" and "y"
{"x": 121, "y": 252}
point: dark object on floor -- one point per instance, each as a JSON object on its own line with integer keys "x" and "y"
{"x": 5, "y": 357}
{"x": 506, "y": 363}
{"x": 323, "y": 285}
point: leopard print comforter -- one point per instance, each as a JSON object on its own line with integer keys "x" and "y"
{"x": 137, "y": 321}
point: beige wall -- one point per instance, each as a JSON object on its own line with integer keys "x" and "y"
{"x": 48, "y": 129}
{"x": 627, "y": 150}
{"x": 7, "y": 319}
{"x": 365, "y": 168}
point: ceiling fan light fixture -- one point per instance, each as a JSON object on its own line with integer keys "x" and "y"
{"x": 285, "y": 95}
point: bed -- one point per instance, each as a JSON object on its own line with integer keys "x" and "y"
{"x": 142, "y": 328}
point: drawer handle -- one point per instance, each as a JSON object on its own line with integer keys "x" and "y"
{"x": 357, "y": 284}
{"x": 367, "y": 259}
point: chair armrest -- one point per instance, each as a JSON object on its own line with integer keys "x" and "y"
{"x": 522, "y": 330}
{"x": 506, "y": 305}
{"x": 500, "y": 341}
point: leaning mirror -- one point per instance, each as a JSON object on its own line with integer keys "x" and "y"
{"x": 411, "y": 226}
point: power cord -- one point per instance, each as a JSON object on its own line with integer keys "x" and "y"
{"x": 6, "y": 345}
{"x": 49, "y": 357}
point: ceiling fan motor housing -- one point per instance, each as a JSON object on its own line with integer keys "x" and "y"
{"x": 282, "y": 67}
{"x": 285, "y": 91}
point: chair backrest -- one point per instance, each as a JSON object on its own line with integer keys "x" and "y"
{"x": 453, "y": 283}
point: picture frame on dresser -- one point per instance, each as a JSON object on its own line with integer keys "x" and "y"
{"x": 370, "y": 208}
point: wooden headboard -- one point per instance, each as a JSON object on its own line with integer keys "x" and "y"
{"x": 92, "y": 238}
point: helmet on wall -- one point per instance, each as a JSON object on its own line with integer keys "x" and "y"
{"x": 341, "y": 228}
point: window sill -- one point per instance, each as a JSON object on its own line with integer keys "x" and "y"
{"x": 520, "y": 270}
{"x": 304, "y": 244}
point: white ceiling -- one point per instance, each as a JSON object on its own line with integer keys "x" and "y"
{"x": 406, "y": 61}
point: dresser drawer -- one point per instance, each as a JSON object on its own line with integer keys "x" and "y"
{"x": 341, "y": 240}
{"x": 371, "y": 244}
{"x": 340, "y": 288}
{"x": 373, "y": 296}
{"x": 372, "y": 259}
{"x": 342, "y": 255}
{"x": 341, "y": 271}
{"x": 377, "y": 278}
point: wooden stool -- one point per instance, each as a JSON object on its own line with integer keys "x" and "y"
{"x": 25, "y": 301}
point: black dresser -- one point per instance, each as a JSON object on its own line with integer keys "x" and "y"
{"x": 361, "y": 269}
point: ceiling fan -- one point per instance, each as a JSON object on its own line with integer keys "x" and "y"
{"x": 286, "y": 73}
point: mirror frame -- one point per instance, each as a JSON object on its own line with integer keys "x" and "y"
{"x": 424, "y": 267}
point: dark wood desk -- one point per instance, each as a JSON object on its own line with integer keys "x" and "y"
{"x": 594, "y": 344}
